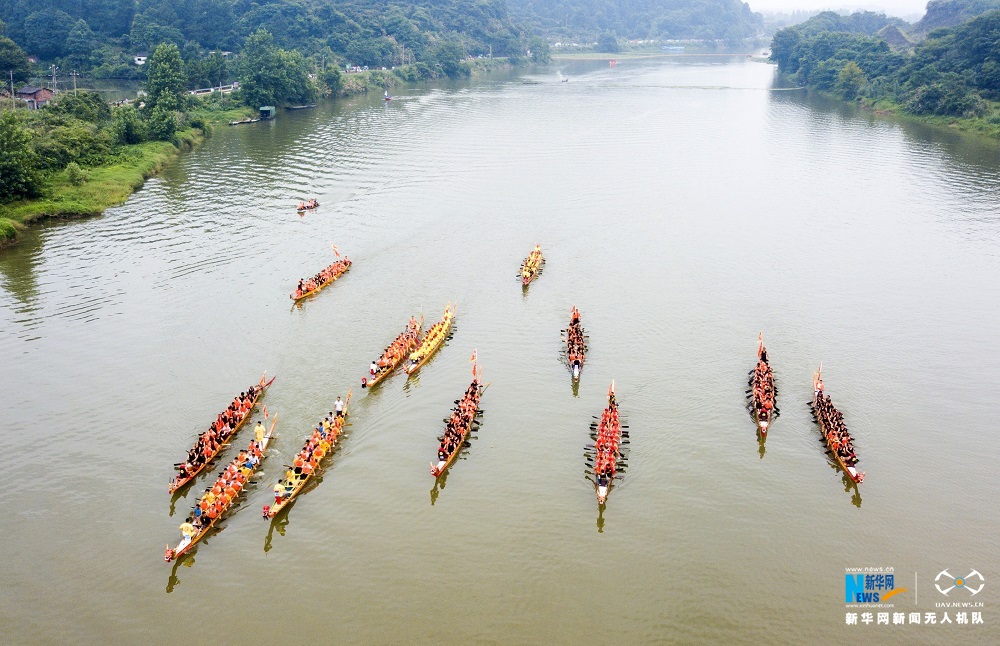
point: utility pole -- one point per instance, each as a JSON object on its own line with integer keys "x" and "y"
{"x": 55, "y": 88}
{"x": 74, "y": 75}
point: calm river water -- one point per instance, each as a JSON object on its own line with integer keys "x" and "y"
{"x": 683, "y": 205}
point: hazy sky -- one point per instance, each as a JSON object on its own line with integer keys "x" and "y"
{"x": 891, "y": 7}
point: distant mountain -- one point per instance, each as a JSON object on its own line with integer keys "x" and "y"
{"x": 867, "y": 23}
{"x": 640, "y": 19}
{"x": 949, "y": 13}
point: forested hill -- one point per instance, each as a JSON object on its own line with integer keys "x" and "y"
{"x": 860, "y": 22}
{"x": 367, "y": 32}
{"x": 640, "y": 19}
{"x": 949, "y": 13}
{"x": 954, "y": 72}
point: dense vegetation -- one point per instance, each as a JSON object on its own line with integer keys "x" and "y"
{"x": 79, "y": 154}
{"x": 954, "y": 72}
{"x": 641, "y": 19}
{"x": 100, "y": 37}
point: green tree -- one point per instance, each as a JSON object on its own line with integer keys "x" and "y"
{"x": 166, "y": 79}
{"x": 298, "y": 87}
{"x": 85, "y": 106}
{"x": 215, "y": 68}
{"x": 80, "y": 44}
{"x": 374, "y": 52}
{"x": 126, "y": 126}
{"x": 450, "y": 56}
{"x": 260, "y": 70}
{"x": 850, "y": 80}
{"x": 148, "y": 34}
{"x": 540, "y": 52}
{"x": 162, "y": 124}
{"x": 271, "y": 76}
{"x": 13, "y": 59}
{"x": 608, "y": 42}
{"x": 331, "y": 79}
{"x": 47, "y": 31}
{"x": 18, "y": 162}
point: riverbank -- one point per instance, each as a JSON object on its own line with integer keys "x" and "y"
{"x": 987, "y": 125}
{"x": 108, "y": 185}
{"x": 380, "y": 80}
{"x": 689, "y": 52}
{"x": 105, "y": 186}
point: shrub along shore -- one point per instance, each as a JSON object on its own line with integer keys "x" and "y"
{"x": 90, "y": 189}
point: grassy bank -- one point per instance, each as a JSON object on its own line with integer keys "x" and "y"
{"x": 987, "y": 125}
{"x": 102, "y": 187}
{"x": 110, "y": 184}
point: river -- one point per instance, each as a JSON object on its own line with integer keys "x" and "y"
{"x": 683, "y": 205}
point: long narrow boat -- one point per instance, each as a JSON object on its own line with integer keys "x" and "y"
{"x": 576, "y": 344}
{"x": 607, "y": 447}
{"x": 333, "y": 272}
{"x": 187, "y": 475}
{"x": 330, "y": 435}
{"x": 405, "y": 342}
{"x": 460, "y": 425}
{"x": 857, "y": 477}
{"x": 187, "y": 543}
{"x": 762, "y": 394}
{"x": 436, "y": 335}
{"x": 531, "y": 266}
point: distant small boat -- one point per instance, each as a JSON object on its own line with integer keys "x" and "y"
{"x": 307, "y": 206}
{"x": 300, "y": 107}
{"x": 387, "y": 97}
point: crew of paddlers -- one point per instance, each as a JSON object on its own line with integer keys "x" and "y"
{"x": 531, "y": 265}
{"x": 218, "y": 433}
{"x": 228, "y": 485}
{"x": 311, "y": 204}
{"x": 576, "y": 343}
{"x": 397, "y": 350}
{"x": 459, "y": 425}
{"x": 434, "y": 337}
{"x": 834, "y": 430}
{"x": 326, "y": 275}
{"x": 306, "y": 461}
{"x": 607, "y": 442}
{"x": 762, "y": 390}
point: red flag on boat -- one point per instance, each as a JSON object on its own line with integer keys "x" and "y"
{"x": 335, "y": 249}
{"x": 472, "y": 359}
